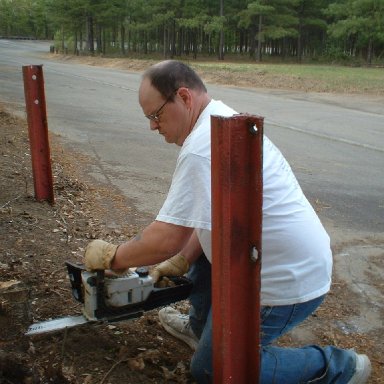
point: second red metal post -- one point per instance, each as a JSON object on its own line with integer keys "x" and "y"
{"x": 236, "y": 247}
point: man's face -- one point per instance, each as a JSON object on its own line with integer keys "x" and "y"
{"x": 168, "y": 117}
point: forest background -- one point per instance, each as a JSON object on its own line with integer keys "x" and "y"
{"x": 311, "y": 31}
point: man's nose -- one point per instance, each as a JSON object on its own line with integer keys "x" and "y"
{"x": 154, "y": 125}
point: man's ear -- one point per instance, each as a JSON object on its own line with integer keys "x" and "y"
{"x": 186, "y": 96}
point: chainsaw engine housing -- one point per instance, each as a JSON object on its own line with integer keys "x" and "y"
{"x": 114, "y": 298}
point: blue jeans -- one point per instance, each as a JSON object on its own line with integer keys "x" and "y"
{"x": 310, "y": 364}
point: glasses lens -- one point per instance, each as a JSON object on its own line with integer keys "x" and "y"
{"x": 152, "y": 117}
{"x": 155, "y": 116}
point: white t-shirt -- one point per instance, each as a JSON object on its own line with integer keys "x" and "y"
{"x": 297, "y": 259}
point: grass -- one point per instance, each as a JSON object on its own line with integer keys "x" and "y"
{"x": 310, "y": 77}
{"x": 301, "y": 77}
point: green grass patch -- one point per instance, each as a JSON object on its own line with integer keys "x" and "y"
{"x": 329, "y": 78}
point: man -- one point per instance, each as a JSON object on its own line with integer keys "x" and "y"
{"x": 297, "y": 260}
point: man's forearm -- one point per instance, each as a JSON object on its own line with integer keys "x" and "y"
{"x": 156, "y": 243}
{"x": 192, "y": 250}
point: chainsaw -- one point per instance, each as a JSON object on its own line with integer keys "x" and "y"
{"x": 111, "y": 298}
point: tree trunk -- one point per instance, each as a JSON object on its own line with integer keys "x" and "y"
{"x": 370, "y": 52}
{"x": 122, "y": 38}
{"x": 90, "y": 39}
{"x": 145, "y": 43}
{"x": 252, "y": 42}
{"x": 299, "y": 44}
{"x": 164, "y": 41}
{"x": 99, "y": 46}
{"x": 75, "y": 50}
{"x": 173, "y": 39}
{"x": 221, "y": 43}
{"x": 62, "y": 40}
{"x": 258, "y": 51}
{"x": 15, "y": 315}
{"x": 104, "y": 41}
{"x": 81, "y": 41}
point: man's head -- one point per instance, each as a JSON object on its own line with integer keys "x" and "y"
{"x": 172, "y": 97}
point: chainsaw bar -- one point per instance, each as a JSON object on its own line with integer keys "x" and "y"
{"x": 56, "y": 325}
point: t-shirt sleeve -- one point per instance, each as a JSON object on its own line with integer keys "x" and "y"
{"x": 188, "y": 201}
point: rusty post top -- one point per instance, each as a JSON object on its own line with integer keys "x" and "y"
{"x": 31, "y": 66}
{"x": 239, "y": 116}
{"x": 253, "y": 119}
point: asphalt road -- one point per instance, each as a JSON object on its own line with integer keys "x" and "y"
{"x": 335, "y": 144}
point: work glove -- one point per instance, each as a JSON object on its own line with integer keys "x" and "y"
{"x": 99, "y": 255}
{"x": 175, "y": 266}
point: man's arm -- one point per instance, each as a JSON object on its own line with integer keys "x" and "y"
{"x": 192, "y": 251}
{"x": 179, "y": 264}
{"x": 156, "y": 243}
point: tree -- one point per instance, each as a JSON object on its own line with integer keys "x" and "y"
{"x": 311, "y": 25}
{"x": 360, "y": 24}
{"x": 252, "y": 17}
{"x": 178, "y": 27}
{"x": 15, "y": 18}
{"x": 67, "y": 17}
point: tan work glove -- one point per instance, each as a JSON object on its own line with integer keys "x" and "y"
{"x": 175, "y": 266}
{"x": 99, "y": 255}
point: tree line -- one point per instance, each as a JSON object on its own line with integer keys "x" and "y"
{"x": 299, "y": 29}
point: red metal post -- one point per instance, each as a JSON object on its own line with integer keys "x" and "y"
{"x": 236, "y": 247}
{"x": 38, "y": 132}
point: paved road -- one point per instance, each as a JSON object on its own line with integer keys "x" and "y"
{"x": 334, "y": 143}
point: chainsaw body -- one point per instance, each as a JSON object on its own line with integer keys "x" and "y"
{"x": 108, "y": 297}
{"x": 115, "y": 297}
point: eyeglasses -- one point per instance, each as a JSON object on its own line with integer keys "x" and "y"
{"x": 155, "y": 116}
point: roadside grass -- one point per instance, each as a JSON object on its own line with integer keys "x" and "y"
{"x": 300, "y": 77}
{"x": 321, "y": 78}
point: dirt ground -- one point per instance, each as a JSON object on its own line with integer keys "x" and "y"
{"x": 36, "y": 238}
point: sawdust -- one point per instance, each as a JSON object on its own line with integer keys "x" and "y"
{"x": 36, "y": 238}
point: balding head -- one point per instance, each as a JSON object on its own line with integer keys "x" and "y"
{"x": 169, "y": 75}
{"x": 172, "y": 96}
